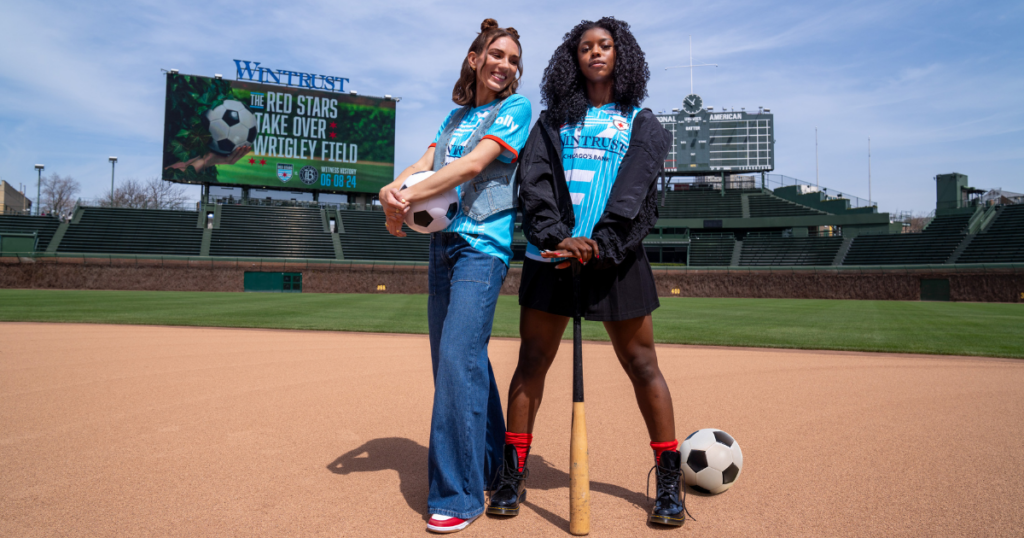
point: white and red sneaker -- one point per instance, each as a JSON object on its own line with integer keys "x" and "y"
{"x": 445, "y": 524}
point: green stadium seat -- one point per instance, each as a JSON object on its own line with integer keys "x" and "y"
{"x": 1001, "y": 242}
{"x": 44, "y": 227}
{"x": 701, "y": 204}
{"x": 768, "y": 205}
{"x": 784, "y": 251}
{"x": 271, "y": 232}
{"x": 934, "y": 245}
{"x": 711, "y": 249}
{"x": 367, "y": 238}
{"x": 134, "y": 231}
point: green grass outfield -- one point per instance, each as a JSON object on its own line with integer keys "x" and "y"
{"x": 985, "y": 329}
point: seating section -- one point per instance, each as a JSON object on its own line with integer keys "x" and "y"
{"x": 270, "y": 232}
{"x": 1002, "y": 242}
{"x": 701, "y": 205}
{"x": 298, "y": 232}
{"x": 789, "y": 250}
{"x": 711, "y": 250}
{"x": 134, "y": 231}
{"x": 366, "y": 238}
{"x": 901, "y": 249}
{"x": 768, "y": 205}
{"x": 948, "y": 224}
{"x": 45, "y": 227}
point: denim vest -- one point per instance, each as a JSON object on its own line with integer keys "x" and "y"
{"x": 491, "y": 191}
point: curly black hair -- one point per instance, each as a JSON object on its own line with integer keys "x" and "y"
{"x": 564, "y": 89}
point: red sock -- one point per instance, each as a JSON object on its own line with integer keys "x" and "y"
{"x": 522, "y": 442}
{"x": 661, "y": 447}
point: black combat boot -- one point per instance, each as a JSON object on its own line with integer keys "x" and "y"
{"x": 509, "y": 489}
{"x": 669, "y": 509}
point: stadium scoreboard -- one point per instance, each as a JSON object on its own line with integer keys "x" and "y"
{"x": 707, "y": 141}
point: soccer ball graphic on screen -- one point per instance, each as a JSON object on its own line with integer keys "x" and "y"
{"x": 231, "y": 125}
{"x": 433, "y": 214}
{"x": 712, "y": 460}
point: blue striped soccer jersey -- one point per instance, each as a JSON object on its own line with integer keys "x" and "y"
{"x": 591, "y": 154}
{"x": 494, "y": 235}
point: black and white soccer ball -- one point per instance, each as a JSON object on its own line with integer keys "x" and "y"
{"x": 712, "y": 460}
{"x": 433, "y": 214}
{"x": 231, "y": 125}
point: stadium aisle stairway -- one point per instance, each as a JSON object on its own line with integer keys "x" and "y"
{"x": 45, "y": 227}
{"x": 1002, "y": 242}
{"x": 134, "y": 231}
{"x": 934, "y": 245}
{"x": 761, "y": 251}
{"x": 270, "y": 232}
{"x": 366, "y": 238}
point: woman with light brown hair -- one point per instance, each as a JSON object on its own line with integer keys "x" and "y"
{"x": 475, "y": 151}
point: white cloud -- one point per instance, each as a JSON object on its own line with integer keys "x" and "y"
{"x": 935, "y": 90}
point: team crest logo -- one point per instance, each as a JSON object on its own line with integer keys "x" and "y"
{"x": 620, "y": 123}
{"x": 308, "y": 175}
{"x": 284, "y": 172}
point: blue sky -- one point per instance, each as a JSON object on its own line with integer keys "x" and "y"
{"x": 936, "y": 85}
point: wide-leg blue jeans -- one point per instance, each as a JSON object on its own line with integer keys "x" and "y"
{"x": 467, "y": 427}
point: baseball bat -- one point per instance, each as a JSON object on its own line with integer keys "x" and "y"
{"x": 579, "y": 472}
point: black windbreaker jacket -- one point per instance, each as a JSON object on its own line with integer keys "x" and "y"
{"x": 632, "y": 207}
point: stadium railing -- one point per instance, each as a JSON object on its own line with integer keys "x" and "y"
{"x": 223, "y": 261}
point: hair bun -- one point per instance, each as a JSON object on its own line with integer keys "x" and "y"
{"x": 488, "y": 24}
{"x": 512, "y": 31}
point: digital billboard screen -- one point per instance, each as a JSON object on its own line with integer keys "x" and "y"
{"x": 708, "y": 142}
{"x": 244, "y": 133}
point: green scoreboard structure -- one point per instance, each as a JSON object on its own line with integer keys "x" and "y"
{"x": 708, "y": 142}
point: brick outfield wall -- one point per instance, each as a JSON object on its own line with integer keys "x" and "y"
{"x": 156, "y": 275}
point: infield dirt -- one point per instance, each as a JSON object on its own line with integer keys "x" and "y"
{"x": 157, "y": 431}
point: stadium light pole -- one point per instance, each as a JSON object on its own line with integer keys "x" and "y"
{"x": 692, "y": 65}
{"x": 39, "y": 182}
{"x": 869, "y": 171}
{"x": 816, "y": 157}
{"x": 113, "y": 161}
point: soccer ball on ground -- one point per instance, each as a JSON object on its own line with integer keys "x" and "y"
{"x": 712, "y": 460}
{"x": 433, "y": 214}
{"x": 231, "y": 125}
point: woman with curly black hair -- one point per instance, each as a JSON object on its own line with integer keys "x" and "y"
{"x": 587, "y": 190}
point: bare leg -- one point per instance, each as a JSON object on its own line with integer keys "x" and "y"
{"x": 633, "y": 340}
{"x": 541, "y": 333}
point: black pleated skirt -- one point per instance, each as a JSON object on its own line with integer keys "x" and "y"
{"x": 624, "y": 291}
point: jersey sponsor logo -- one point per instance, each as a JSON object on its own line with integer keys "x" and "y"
{"x": 455, "y": 152}
{"x": 507, "y": 121}
{"x": 593, "y": 142}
